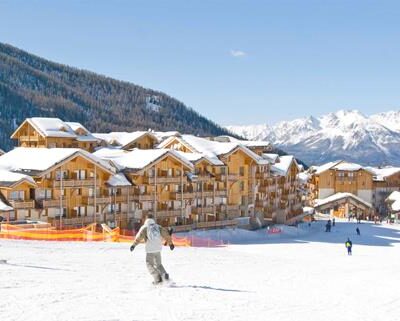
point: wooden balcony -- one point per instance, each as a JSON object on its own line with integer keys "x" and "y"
{"x": 161, "y": 213}
{"x": 184, "y": 195}
{"x": 65, "y": 183}
{"x": 28, "y": 138}
{"x": 143, "y": 197}
{"x": 221, "y": 193}
{"x": 203, "y": 210}
{"x": 165, "y": 180}
{"x": 227, "y": 177}
{"x": 52, "y": 203}
{"x": 100, "y": 200}
{"x": 82, "y": 220}
{"x": 22, "y": 204}
{"x": 263, "y": 175}
{"x": 202, "y": 178}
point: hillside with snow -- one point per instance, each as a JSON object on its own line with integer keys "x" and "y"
{"x": 346, "y": 134}
{"x": 303, "y": 275}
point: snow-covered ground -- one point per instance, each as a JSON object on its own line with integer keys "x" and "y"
{"x": 300, "y": 276}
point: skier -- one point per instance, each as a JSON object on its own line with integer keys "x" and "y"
{"x": 358, "y": 231}
{"x": 152, "y": 234}
{"x": 348, "y": 245}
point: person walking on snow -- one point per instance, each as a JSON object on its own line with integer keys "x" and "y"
{"x": 153, "y": 234}
{"x": 358, "y": 231}
{"x": 348, "y": 245}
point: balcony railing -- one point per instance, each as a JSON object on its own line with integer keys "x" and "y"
{"x": 21, "y": 204}
{"x": 184, "y": 195}
{"x": 49, "y": 203}
{"x": 73, "y": 183}
{"x": 89, "y": 200}
{"x": 203, "y": 210}
{"x": 165, "y": 180}
{"x": 29, "y": 138}
{"x": 143, "y": 197}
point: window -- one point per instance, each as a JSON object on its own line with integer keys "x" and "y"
{"x": 223, "y": 170}
{"x": 80, "y": 174}
{"x": 62, "y": 173}
{"x": 242, "y": 186}
{"x": 17, "y": 195}
{"x": 241, "y": 171}
{"x": 43, "y": 194}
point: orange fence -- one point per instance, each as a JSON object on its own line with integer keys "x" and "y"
{"x": 86, "y": 234}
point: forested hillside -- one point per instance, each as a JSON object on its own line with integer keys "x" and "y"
{"x": 32, "y": 86}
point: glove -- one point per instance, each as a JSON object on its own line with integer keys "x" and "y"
{"x": 172, "y": 246}
{"x": 132, "y": 247}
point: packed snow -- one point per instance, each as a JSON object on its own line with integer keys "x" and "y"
{"x": 299, "y": 274}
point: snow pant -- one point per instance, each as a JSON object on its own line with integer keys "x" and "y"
{"x": 349, "y": 250}
{"x": 154, "y": 265}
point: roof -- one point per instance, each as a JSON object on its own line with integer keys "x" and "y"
{"x": 272, "y": 158}
{"x": 123, "y": 138}
{"x": 8, "y": 178}
{"x": 36, "y": 160}
{"x": 394, "y": 198}
{"x": 138, "y": 159}
{"x": 55, "y": 127}
{"x": 382, "y": 173}
{"x": 345, "y": 166}
{"x": 211, "y": 149}
{"x": 322, "y": 168}
{"x": 339, "y": 196}
{"x": 4, "y": 207}
{"x": 197, "y": 157}
{"x": 284, "y": 164}
{"x": 118, "y": 179}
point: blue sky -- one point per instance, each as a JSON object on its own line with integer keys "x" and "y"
{"x": 236, "y": 62}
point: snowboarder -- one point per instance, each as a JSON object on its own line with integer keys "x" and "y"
{"x": 153, "y": 234}
{"x": 358, "y": 231}
{"x": 348, "y": 245}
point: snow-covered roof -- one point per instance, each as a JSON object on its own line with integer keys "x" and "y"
{"x": 382, "y": 173}
{"x": 303, "y": 177}
{"x": 211, "y": 149}
{"x": 8, "y": 178}
{"x": 118, "y": 179}
{"x": 284, "y": 164}
{"x": 55, "y": 127}
{"x": 4, "y": 207}
{"x": 33, "y": 160}
{"x": 196, "y": 157}
{"x": 122, "y": 138}
{"x": 138, "y": 159}
{"x": 322, "y": 168}
{"x": 394, "y": 199}
{"x": 109, "y": 152}
{"x": 271, "y": 158}
{"x": 345, "y": 166}
{"x": 164, "y": 135}
{"x": 339, "y": 196}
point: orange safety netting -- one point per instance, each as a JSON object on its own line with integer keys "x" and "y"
{"x": 86, "y": 234}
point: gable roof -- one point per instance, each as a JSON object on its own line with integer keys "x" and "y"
{"x": 283, "y": 166}
{"x": 11, "y": 179}
{"x": 55, "y": 127}
{"x": 34, "y": 161}
{"x": 139, "y": 159}
{"x": 380, "y": 174}
{"x": 211, "y": 149}
{"x": 123, "y": 138}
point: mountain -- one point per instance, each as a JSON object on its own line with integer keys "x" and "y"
{"x": 346, "y": 134}
{"x": 33, "y": 86}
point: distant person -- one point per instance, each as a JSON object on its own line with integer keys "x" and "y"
{"x": 153, "y": 234}
{"x": 333, "y": 222}
{"x": 358, "y": 231}
{"x": 348, "y": 245}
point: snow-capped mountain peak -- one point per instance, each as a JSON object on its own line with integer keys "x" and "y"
{"x": 345, "y": 134}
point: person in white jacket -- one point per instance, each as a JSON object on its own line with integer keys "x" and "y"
{"x": 152, "y": 234}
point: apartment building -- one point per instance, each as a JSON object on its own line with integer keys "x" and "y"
{"x": 52, "y": 133}
{"x": 127, "y": 140}
{"x": 57, "y": 185}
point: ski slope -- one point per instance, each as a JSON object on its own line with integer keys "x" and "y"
{"x": 297, "y": 276}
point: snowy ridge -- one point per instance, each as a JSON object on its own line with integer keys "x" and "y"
{"x": 346, "y": 134}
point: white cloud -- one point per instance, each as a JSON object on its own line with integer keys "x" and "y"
{"x": 238, "y": 53}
